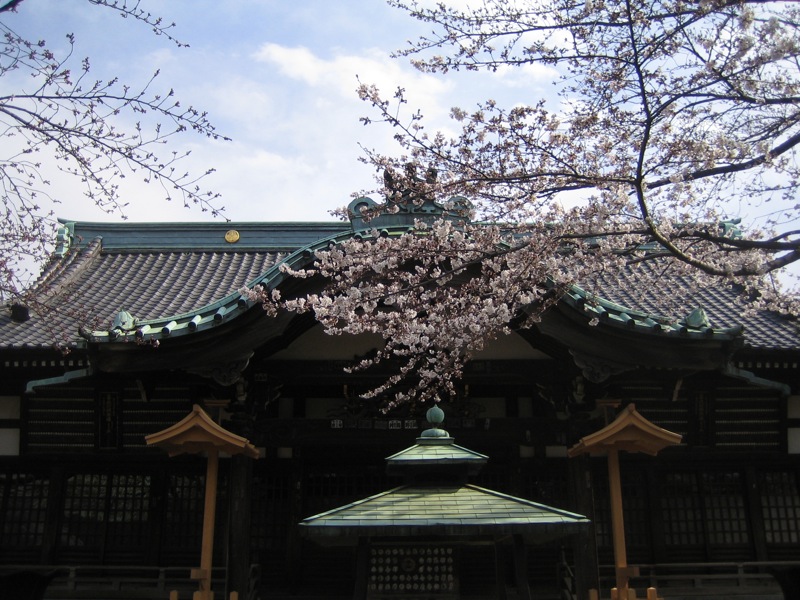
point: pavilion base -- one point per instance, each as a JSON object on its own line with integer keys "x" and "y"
{"x": 651, "y": 594}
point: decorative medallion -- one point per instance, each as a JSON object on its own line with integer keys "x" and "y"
{"x": 231, "y": 236}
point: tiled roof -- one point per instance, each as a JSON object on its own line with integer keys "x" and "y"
{"x": 641, "y": 306}
{"x": 427, "y": 452}
{"x": 179, "y": 278}
{"x": 96, "y": 283}
{"x": 443, "y": 510}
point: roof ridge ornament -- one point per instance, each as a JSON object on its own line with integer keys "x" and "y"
{"x": 409, "y": 199}
{"x": 64, "y": 236}
{"x": 124, "y": 321}
{"x": 697, "y": 319}
{"x": 435, "y": 417}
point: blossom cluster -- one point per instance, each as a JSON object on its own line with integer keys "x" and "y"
{"x": 672, "y": 156}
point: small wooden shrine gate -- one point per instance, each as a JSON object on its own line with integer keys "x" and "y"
{"x": 629, "y": 432}
{"x": 197, "y": 433}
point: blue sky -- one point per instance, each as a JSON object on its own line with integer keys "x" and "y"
{"x": 279, "y": 78}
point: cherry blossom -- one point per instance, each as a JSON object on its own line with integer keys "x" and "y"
{"x": 673, "y": 154}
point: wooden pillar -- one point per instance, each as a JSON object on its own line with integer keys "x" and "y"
{"x": 617, "y": 523}
{"x": 56, "y": 494}
{"x": 203, "y": 575}
{"x": 362, "y": 569}
{"x": 239, "y": 524}
{"x": 755, "y": 513}
{"x": 584, "y": 545}
{"x": 521, "y": 569}
{"x": 499, "y": 572}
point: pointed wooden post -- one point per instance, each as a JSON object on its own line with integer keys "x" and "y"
{"x": 629, "y": 432}
{"x": 209, "y": 513}
{"x": 617, "y": 524}
{"x": 195, "y": 434}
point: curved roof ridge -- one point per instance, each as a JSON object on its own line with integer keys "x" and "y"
{"x": 694, "y": 324}
{"x": 60, "y": 274}
{"x": 592, "y": 306}
{"x": 216, "y": 312}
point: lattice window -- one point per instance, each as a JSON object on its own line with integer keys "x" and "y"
{"x": 60, "y": 425}
{"x": 183, "y": 524}
{"x": 24, "y": 502}
{"x": 406, "y": 571}
{"x": 681, "y": 510}
{"x": 271, "y": 504}
{"x": 726, "y": 514}
{"x": 635, "y": 509}
{"x": 671, "y": 415}
{"x": 780, "y": 502}
{"x": 129, "y": 511}
{"x": 747, "y": 422}
{"x": 84, "y": 512}
{"x": 142, "y": 416}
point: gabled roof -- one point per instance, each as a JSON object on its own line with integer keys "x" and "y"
{"x": 197, "y": 433}
{"x": 629, "y": 432}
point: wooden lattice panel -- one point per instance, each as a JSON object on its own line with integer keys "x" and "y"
{"x": 418, "y": 571}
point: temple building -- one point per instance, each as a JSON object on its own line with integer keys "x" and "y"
{"x": 156, "y": 323}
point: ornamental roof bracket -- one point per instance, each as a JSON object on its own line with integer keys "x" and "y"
{"x": 697, "y": 319}
{"x": 366, "y": 214}
{"x": 30, "y": 388}
{"x": 124, "y": 322}
{"x": 64, "y": 236}
{"x": 409, "y": 198}
{"x": 730, "y": 228}
{"x": 784, "y": 390}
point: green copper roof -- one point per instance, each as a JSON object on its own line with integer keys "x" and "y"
{"x": 435, "y": 447}
{"x": 438, "y": 452}
{"x": 202, "y": 236}
{"x": 436, "y": 508}
{"x": 466, "y": 510}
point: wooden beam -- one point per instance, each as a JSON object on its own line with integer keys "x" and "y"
{"x": 209, "y": 509}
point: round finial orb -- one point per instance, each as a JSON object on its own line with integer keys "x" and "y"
{"x": 435, "y": 415}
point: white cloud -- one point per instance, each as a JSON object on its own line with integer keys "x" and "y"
{"x": 340, "y": 74}
{"x": 281, "y": 81}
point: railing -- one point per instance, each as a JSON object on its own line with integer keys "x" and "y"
{"x": 87, "y": 582}
{"x": 713, "y": 579}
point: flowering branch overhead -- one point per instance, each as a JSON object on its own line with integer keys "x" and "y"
{"x": 56, "y": 117}
{"x": 674, "y": 147}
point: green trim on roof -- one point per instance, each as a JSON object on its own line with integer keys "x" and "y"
{"x": 214, "y": 314}
{"x": 201, "y": 237}
{"x": 610, "y": 313}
